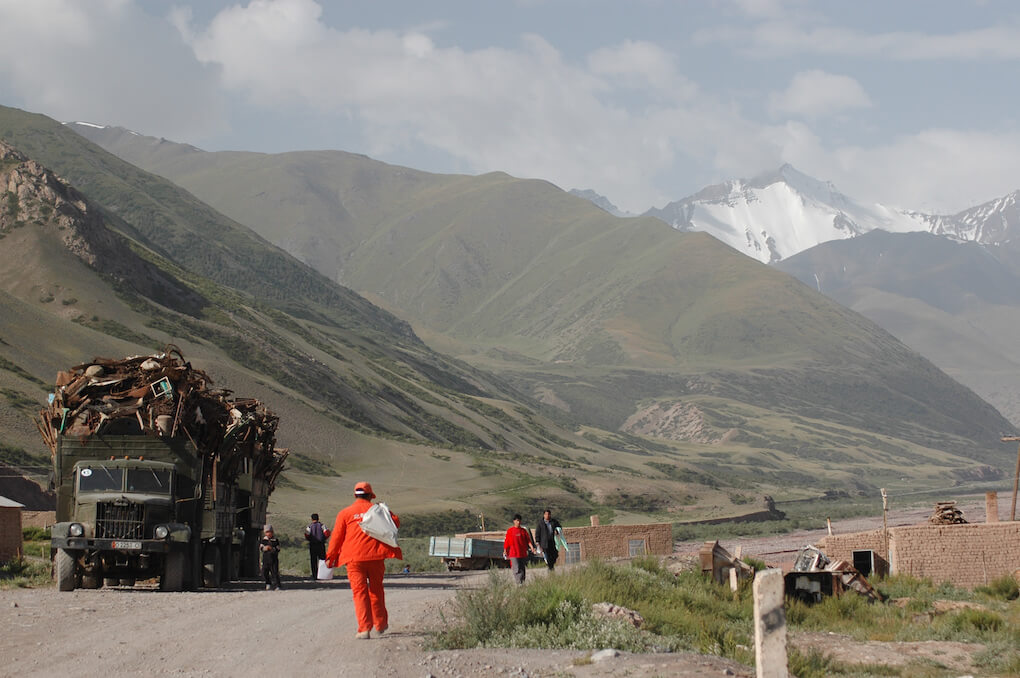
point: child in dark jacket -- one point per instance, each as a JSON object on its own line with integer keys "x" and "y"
{"x": 270, "y": 547}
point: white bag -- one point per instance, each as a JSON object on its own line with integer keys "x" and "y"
{"x": 377, "y": 523}
{"x": 325, "y": 571}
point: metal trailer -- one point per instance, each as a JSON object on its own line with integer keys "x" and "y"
{"x": 465, "y": 553}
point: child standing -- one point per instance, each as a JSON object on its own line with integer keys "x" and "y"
{"x": 270, "y": 547}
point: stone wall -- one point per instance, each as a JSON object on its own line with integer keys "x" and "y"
{"x": 964, "y": 555}
{"x": 10, "y": 533}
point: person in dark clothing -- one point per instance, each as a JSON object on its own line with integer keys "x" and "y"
{"x": 545, "y": 536}
{"x": 270, "y": 547}
{"x": 316, "y": 536}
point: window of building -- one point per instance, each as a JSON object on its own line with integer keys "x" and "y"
{"x": 637, "y": 547}
{"x": 573, "y": 553}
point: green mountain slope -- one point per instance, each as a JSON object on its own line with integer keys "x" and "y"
{"x": 956, "y": 303}
{"x": 610, "y": 320}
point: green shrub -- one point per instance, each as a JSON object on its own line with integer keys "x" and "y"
{"x": 1005, "y": 587}
{"x": 24, "y": 574}
{"x": 972, "y": 619}
{"x": 35, "y": 533}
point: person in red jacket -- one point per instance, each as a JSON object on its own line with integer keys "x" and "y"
{"x": 516, "y": 546}
{"x": 365, "y": 558}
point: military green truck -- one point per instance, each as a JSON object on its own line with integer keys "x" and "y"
{"x": 145, "y": 494}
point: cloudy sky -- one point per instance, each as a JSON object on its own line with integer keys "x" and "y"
{"x": 910, "y": 103}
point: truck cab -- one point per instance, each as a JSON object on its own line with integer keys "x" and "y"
{"x": 121, "y": 519}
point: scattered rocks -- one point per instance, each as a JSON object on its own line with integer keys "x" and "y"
{"x": 603, "y": 655}
{"x": 616, "y": 611}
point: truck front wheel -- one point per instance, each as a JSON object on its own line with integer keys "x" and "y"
{"x": 173, "y": 571}
{"x": 65, "y": 566}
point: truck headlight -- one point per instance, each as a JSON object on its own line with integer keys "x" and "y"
{"x": 76, "y": 529}
{"x": 162, "y": 532}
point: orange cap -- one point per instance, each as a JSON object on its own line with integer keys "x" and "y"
{"x": 364, "y": 489}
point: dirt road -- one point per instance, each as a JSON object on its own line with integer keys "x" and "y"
{"x": 307, "y": 628}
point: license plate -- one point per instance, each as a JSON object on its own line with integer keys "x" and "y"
{"x": 128, "y": 545}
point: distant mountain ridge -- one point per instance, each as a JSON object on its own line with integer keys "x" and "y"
{"x": 995, "y": 222}
{"x": 600, "y": 317}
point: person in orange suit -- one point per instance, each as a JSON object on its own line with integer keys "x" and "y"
{"x": 365, "y": 558}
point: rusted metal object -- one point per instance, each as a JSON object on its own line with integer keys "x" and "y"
{"x": 814, "y": 577}
{"x": 162, "y": 395}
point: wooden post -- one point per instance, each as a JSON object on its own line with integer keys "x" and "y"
{"x": 769, "y": 625}
{"x": 885, "y": 525}
{"x": 1016, "y": 476}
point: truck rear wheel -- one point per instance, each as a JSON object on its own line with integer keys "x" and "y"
{"x": 173, "y": 571}
{"x": 211, "y": 566}
{"x": 65, "y": 566}
{"x": 91, "y": 581}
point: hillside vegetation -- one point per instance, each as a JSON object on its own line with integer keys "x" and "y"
{"x": 678, "y": 378}
{"x": 606, "y": 319}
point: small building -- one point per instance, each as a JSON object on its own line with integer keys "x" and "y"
{"x": 965, "y": 555}
{"x": 10, "y": 530}
{"x": 606, "y": 541}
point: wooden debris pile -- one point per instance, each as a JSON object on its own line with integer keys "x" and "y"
{"x": 163, "y": 395}
{"x": 946, "y": 513}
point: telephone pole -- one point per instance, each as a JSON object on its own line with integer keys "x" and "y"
{"x": 1016, "y": 476}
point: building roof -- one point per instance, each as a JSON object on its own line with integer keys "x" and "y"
{"x": 10, "y": 503}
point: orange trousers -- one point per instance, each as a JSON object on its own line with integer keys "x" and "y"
{"x": 366, "y": 578}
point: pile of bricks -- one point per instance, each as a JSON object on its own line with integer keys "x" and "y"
{"x": 946, "y": 513}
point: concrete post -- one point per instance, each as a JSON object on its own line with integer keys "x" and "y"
{"x": 734, "y": 580}
{"x": 594, "y": 521}
{"x": 769, "y": 625}
{"x": 991, "y": 507}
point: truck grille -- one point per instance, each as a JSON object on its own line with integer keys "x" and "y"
{"x": 119, "y": 522}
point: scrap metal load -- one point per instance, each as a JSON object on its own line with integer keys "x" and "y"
{"x": 164, "y": 396}
{"x": 946, "y": 513}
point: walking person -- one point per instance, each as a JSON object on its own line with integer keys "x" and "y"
{"x": 517, "y": 544}
{"x": 545, "y": 535}
{"x": 365, "y": 558}
{"x": 270, "y": 547}
{"x": 316, "y": 535}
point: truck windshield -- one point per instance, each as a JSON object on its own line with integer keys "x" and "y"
{"x": 100, "y": 479}
{"x": 148, "y": 480}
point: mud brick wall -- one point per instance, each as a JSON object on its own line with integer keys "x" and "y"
{"x": 613, "y": 541}
{"x": 963, "y": 555}
{"x": 41, "y": 519}
{"x": 842, "y": 546}
{"x": 607, "y": 541}
{"x": 10, "y": 533}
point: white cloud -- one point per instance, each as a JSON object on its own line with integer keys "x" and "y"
{"x": 525, "y": 111}
{"x": 815, "y": 93}
{"x": 792, "y": 36}
{"x": 108, "y": 62}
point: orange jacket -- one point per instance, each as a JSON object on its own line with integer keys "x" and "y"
{"x": 348, "y": 544}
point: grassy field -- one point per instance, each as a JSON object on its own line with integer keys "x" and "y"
{"x": 687, "y": 612}
{"x": 33, "y": 569}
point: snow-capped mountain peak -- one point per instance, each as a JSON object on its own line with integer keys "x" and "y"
{"x": 777, "y": 214}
